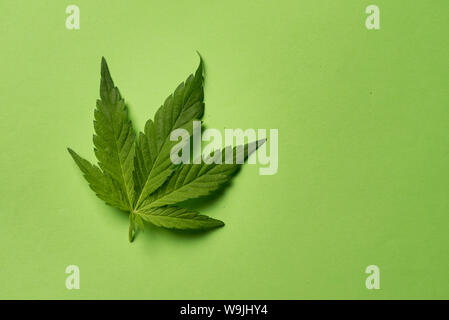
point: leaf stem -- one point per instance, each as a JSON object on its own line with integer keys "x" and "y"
{"x": 131, "y": 227}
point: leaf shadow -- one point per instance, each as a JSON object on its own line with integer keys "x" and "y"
{"x": 132, "y": 118}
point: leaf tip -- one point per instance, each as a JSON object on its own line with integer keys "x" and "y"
{"x": 72, "y": 153}
{"x": 199, "y": 54}
{"x": 201, "y": 65}
{"x": 104, "y": 68}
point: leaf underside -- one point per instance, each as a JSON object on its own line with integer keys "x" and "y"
{"x": 135, "y": 174}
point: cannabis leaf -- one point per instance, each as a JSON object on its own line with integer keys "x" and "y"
{"x": 136, "y": 174}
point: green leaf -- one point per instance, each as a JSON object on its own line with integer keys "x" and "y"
{"x": 115, "y": 138}
{"x": 196, "y": 180}
{"x": 179, "y": 218}
{"x": 152, "y": 162}
{"x": 101, "y": 183}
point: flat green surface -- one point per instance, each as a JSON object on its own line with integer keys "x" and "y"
{"x": 363, "y": 148}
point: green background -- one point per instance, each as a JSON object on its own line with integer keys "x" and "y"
{"x": 363, "y": 148}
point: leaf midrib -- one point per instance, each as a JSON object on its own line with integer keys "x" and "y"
{"x": 178, "y": 189}
{"x": 139, "y": 201}
{"x": 120, "y": 161}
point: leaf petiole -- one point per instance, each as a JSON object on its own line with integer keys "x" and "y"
{"x": 131, "y": 227}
